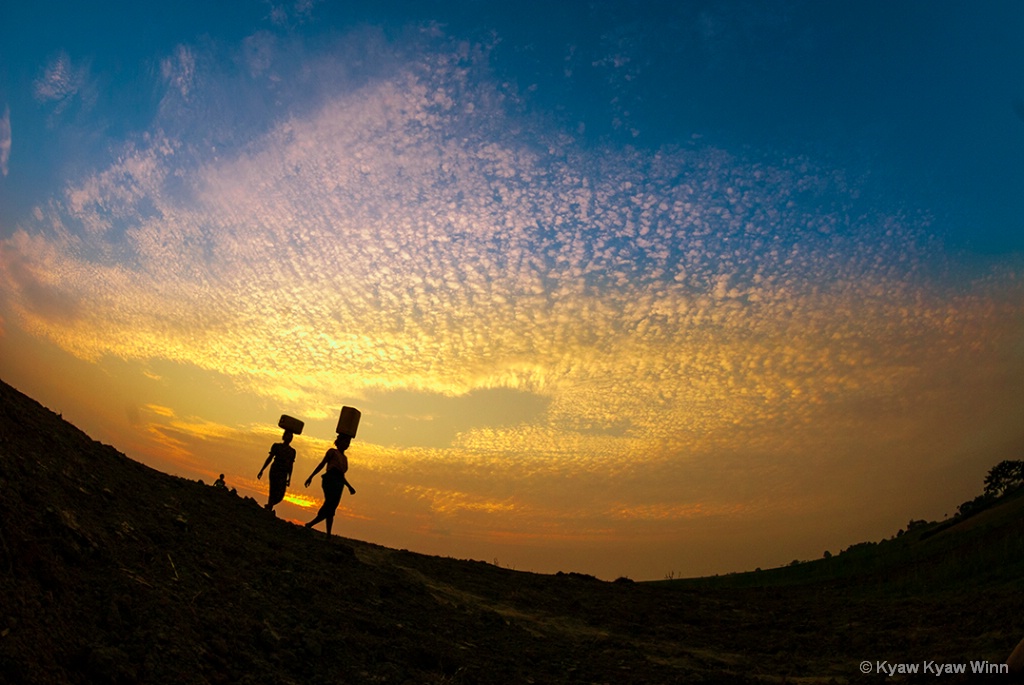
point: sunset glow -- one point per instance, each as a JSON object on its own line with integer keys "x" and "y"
{"x": 585, "y": 333}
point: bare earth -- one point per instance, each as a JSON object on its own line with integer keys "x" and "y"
{"x": 111, "y": 572}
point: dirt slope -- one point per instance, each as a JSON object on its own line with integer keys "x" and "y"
{"x": 111, "y": 572}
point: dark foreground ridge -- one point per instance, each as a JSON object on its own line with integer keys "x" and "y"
{"x": 112, "y": 572}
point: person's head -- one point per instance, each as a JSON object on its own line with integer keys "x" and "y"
{"x": 287, "y": 437}
{"x": 342, "y": 442}
{"x": 222, "y": 476}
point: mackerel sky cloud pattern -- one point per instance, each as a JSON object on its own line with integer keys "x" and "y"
{"x": 408, "y": 228}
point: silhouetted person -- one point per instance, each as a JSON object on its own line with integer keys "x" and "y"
{"x": 333, "y": 481}
{"x": 220, "y": 484}
{"x": 283, "y": 456}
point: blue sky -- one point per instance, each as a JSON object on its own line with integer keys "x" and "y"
{"x": 920, "y": 95}
{"x": 627, "y": 288}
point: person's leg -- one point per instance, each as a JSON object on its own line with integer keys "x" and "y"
{"x": 330, "y": 506}
{"x": 332, "y": 495}
{"x": 277, "y": 489}
{"x": 319, "y": 517}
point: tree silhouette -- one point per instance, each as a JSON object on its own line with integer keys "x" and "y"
{"x": 1005, "y": 476}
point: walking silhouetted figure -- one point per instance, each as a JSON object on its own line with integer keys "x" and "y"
{"x": 333, "y": 481}
{"x": 283, "y": 456}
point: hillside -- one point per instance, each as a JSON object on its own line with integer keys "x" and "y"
{"x": 982, "y": 553}
{"x": 112, "y": 572}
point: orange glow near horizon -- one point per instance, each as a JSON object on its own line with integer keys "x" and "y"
{"x": 635, "y": 358}
{"x": 303, "y": 501}
{"x": 512, "y": 486}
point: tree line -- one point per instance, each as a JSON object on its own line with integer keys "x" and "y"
{"x": 1003, "y": 479}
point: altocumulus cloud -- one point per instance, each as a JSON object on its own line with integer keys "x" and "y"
{"x": 408, "y": 229}
{"x": 63, "y": 83}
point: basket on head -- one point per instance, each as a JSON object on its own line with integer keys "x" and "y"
{"x": 348, "y": 422}
{"x": 291, "y": 424}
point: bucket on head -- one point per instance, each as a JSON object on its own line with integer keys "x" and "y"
{"x": 291, "y": 424}
{"x": 348, "y": 422}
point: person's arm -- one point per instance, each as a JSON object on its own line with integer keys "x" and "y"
{"x": 344, "y": 470}
{"x": 319, "y": 466}
{"x": 270, "y": 458}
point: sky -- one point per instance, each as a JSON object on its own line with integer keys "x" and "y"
{"x": 638, "y": 289}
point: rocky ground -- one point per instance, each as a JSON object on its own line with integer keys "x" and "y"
{"x": 111, "y": 572}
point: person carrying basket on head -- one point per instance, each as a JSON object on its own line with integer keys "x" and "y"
{"x": 333, "y": 481}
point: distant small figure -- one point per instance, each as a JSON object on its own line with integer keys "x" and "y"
{"x": 333, "y": 481}
{"x": 220, "y": 484}
{"x": 283, "y": 456}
